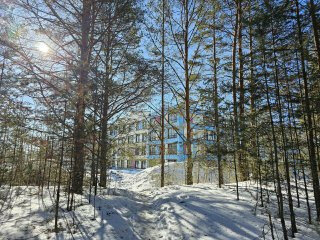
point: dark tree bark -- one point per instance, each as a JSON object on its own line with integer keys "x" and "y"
{"x": 243, "y": 168}
{"x": 308, "y": 113}
{"x": 315, "y": 27}
{"x": 162, "y": 147}
{"x": 234, "y": 87}
{"x": 283, "y": 136}
{"x": 275, "y": 149}
{"x": 60, "y": 171}
{"x": 216, "y": 104}
{"x": 79, "y": 122}
{"x": 187, "y": 91}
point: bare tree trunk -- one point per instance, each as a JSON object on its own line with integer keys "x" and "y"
{"x": 104, "y": 140}
{"x": 45, "y": 165}
{"x": 316, "y": 139}
{"x": 216, "y": 104}
{"x": 187, "y": 91}
{"x": 69, "y": 201}
{"x": 312, "y": 153}
{"x": 259, "y": 168}
{"x": 243, "y": 168}
{"x": 105, "y": 109}
{"x": 235, "y": 162}
{"x": 283, "y": 136}
{"x": 255, "y": 142}
{"x": 79, "y": 129}
{"x": 12, "y": 173}
{"x": 162, "y": 95}
{"x": 315, "y": 27}
{"x": 3, "y": 155}
{"x": 253, "y": 119}
{"x": 275, "y": 148}
{"x": 60, "y": 170}
{"x": 290, "y": 117}
{"x": 50, "y": 164}
{"x": 2, "y": 72}
{"x": 298, "y": 144}
{"x": 234, "y": 92}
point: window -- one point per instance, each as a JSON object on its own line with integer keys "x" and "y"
{"x": 153, "y": 150}
{"x": 172, "y": 133}
{"x": 143, "y": 151}
{"x": 172, "y": 118}
{"x": 143, "y": 164}
{"x": 136, "y": 164}
{"x": 210, "y": 136}
{"x": 136, "y": 151}
{"x": 138, "y": 125}
{"x": 113, "y": 132}
{"x": 172, "y": 148}
{"x": 130, "y": 139}
{"x": 137, "y": 138}
{"x": 144, "y": 124}
{"x": 131, "y": 127}
{"x": 172, "y": 160}
{"x": 153, "y": 136}
{"x": 144, "y": 137}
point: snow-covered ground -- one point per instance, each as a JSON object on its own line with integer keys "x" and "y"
{"x": 134, "y": 207}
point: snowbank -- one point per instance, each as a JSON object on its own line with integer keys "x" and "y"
{"x": 174, "y": 175}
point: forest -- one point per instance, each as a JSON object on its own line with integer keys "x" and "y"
{"x": 72, "y": 70}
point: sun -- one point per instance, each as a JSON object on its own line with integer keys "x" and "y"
{"x": 42, "y": 47}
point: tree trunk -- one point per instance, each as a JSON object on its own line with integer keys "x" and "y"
{"x": 291, "y": 120}
{"x": 315, "y": 27}
{"x": 105, "y": 164}
{"x": 216, "y": 104}
{"x": 234, "y": 91}
{"x": 187, "y": 91}
{"x": 104, "y": 140}
{"x": 2, "y": 72}
{"x": 79, "y": 130}
{"x": 235, "y": 162}
{"x": 60, "y": 170}
{"x": 275, "y": 149}
{"x": 243, "y": 168}
{"x": 312, "y": 152}
{"x": 283, "y": 136}
{"x": 162, "y": 96}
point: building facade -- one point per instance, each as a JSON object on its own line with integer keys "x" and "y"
{"x": 136, "y": 139}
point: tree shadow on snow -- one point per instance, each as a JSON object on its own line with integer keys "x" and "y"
{"x": 115, "y": 213}
{"x": 211, "y": 216}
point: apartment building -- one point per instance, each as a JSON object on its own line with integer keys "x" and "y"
{"x": 136, "y": 139}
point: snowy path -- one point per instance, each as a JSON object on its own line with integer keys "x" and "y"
{"x": 189, "y": 212}
{"x": 198, "y": 212}
{"x": 134, "y": 209}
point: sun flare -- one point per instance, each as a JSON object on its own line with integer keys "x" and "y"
{"x": 42, "y": 47}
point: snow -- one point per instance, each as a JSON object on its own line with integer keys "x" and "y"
{"x": 174, "y": 175}
{"x": 134, "y": 207}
